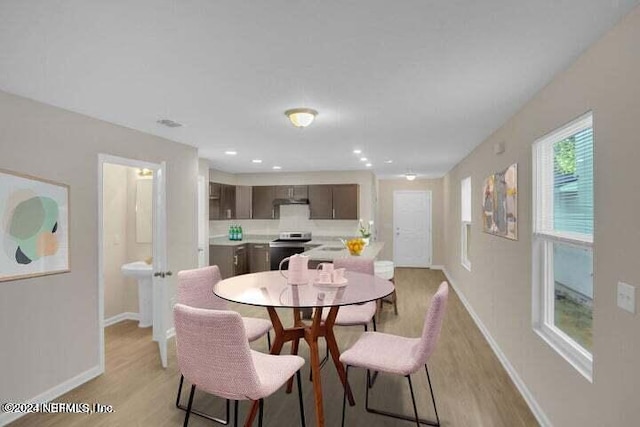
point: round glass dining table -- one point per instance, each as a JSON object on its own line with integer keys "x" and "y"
{"x": 271, "y": 290}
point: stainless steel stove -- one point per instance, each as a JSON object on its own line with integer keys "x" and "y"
{"x": 287, "y": 244}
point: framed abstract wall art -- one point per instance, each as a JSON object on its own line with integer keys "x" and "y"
{"x": 500, "y": 203}
{"x": 34, "y": 226}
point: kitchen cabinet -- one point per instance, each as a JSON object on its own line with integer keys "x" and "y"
{"x": 336, "y": 201}
{"x": 345, "y": 201}
{"x": 222, "y": 201}
{"x": 231, "y": 260}
{"x": 320, "y": 202}
{"x": 262, "y": 202}
{"x": 259, "y": 257}
{"x": 243, "y": 202}
{"x": 292, "y": 192}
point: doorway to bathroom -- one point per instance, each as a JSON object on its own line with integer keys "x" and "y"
{"x": 132, "y": 248}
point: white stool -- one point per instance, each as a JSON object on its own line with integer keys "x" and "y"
{"x": 386, "y": 270}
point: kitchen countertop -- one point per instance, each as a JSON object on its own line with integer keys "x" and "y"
{"x": 329, "y": 252}
{"x": 328, "y": 247}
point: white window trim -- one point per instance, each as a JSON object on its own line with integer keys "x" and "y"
{"x": 466, "y": 208}
{"x": 464, "y": 260}
{"x": 542, "y": 257}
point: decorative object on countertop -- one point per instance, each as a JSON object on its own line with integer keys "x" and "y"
{"x": 365, "y": 231}
{"x": 355, "y": 246}
{"x": 235, "y": 232}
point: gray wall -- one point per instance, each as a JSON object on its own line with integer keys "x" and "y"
{"x": 49, "y": 325}
{"x": 605, "y": 79}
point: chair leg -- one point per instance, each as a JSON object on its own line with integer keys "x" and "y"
{"x": 186, "y": 416}
{"x": 269, "y": 339}
{"x": 415, "y": 418}
{"x": 394, "y": 299}
{"x": 200, "y": 413}
{"x": 235, "y": 413}
{"x": 413, "y": 400}
{"x": 344, "y": 394}
{"x": 260, "y": 414}
{"x": 433, "y": 396}
{"x": 302, "y": 418}
{"x": 179, "y": 391}
{"x": 375, "y": 329}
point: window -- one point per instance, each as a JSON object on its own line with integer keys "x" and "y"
{"x": 465, "y": 218}
{"x": 563, "y": 241}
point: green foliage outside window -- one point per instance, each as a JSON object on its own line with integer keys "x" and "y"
{"x": 564, "y": 159}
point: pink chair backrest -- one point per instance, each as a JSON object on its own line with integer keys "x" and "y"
{"x": 432, "y": 325}
{"x": 195, "y": 288}
{"x": 213, "y": 352}
{"x": 359, "y": 265}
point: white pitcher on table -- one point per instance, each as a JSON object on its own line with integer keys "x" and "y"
{"x": 298, "y": 272}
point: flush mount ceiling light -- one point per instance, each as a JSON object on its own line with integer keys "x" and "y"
{"x": 410, "y": 176}
{"x": 230, "y": 153}
{"x": 356, "y": 151}
{"x": 301, "y": 117}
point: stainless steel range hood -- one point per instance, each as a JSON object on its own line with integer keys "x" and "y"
{"x": 279, "y": 202}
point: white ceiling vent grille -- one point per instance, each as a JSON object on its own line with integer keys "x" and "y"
{"x": 169, "y": 123}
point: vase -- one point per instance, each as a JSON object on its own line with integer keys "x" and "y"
{"x": 366, "y": 240}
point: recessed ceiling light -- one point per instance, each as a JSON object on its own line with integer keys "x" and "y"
{"x": 277, "y": 167}
{"x": 388, "y": 161}
{"x": 230, "y": 153}
{"x": 357, "y": 151}
{"x": 410, "y": 176}
{"x": 368, "y": 165}
{"x": 363, "y": 159}
{"x": 256, "y": 161}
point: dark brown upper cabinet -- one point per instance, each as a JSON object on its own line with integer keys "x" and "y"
{"x": 262, "y": 202}
{"x": 337, "y": 201}
{"x": 292, "y": 192}
{"x": 222, "y": 201}
{"x": 243, "y": 202}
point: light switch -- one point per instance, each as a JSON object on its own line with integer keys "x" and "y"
{"x": 627, "y": 297}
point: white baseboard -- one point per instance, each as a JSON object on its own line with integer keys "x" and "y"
{"x": 437, "y": 267}
{"x": 121, "y": 317}
{"x": 520, "y": 385}
{"x": 53, "y": 393}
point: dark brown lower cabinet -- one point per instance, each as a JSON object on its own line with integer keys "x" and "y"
{"x": 231, "y": 260}
{"x": 259, "y": 257}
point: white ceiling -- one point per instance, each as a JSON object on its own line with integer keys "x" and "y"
{"x": 418, "y": 82}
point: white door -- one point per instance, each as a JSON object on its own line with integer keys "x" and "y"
{"x": 202, "y": 222}
{"x": 161, "y": 273}
{"x": 412, "y": 228}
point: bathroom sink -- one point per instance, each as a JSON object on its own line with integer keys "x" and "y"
{"x": 137, "y": 269}
{"x": 141, "y": 271}
{"x": 332, "y": 248}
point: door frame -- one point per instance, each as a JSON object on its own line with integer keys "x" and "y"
{"x": 429, "y": 195}
{"x": 158, "y": 222}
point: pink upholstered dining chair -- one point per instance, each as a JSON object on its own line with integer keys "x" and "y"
{"x": 195, "y": 289}
{"x": 357, "y": 314}
{"x": 214, "y": 356}
{"x": 394, "y": 354}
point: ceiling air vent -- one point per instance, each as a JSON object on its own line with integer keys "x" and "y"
{"x": 169, "y": 123}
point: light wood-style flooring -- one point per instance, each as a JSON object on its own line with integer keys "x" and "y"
{"x": 471, "y": 387}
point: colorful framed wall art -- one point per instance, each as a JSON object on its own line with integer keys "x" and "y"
{"x": 34, "y": 226}
{"x": 500, "y": 203}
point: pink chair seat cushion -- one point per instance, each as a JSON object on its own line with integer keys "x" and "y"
{"x": 384, "y": 352}
{"x": 357, "y": 314}
{"x": 273, "y": 371}
{"x": 255, "y": 327}
{"x": 396, "y": 354}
